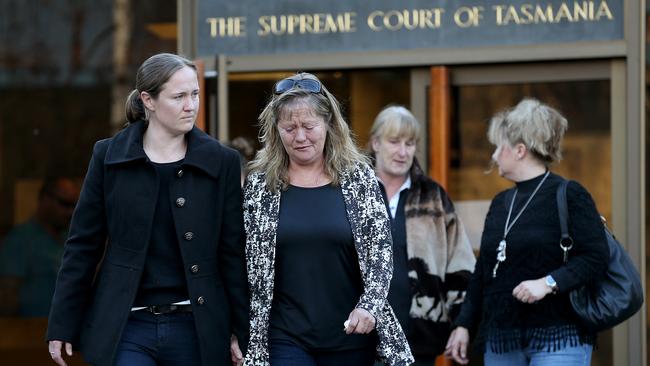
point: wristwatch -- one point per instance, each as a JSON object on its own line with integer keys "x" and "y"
{"x": 550, "y": 282}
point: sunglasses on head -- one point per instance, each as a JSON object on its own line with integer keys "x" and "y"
{"x": 310, "y": 85}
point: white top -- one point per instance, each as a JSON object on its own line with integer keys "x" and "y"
{"x": 394, "y": 201}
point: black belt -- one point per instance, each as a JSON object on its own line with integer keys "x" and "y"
{"x": 168, "y": 309}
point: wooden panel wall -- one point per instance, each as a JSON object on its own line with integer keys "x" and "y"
{"x": 22, "y": 342}
{"x": 439, "y": 120}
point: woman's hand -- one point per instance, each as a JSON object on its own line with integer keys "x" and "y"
{"x": 55, "y": 348}
{"x": 236, "y": 355}
{"x": 360, "y": 321}
{"x": 456, "y": 348}
{"x": 531, "y": 291}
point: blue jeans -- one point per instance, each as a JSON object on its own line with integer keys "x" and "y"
{"x": 579, "y": 355}
{"x": 285, "y": 353}
{"x": 159, "y": 340}
{"x": 419, "y": 361}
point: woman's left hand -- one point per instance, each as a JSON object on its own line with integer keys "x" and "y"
{"x": 360, "y": 321}
{"x": 531, "y": 291}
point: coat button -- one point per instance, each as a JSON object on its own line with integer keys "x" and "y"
{"x": 189, "y": 235}
{"x": 200, "y": 300}
{"x": 179, "y": 173}
{"x": 194, "y": 268}
{"x": 180, "y": 202}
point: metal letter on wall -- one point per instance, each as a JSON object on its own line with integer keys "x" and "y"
{"x": 251, "y": 27}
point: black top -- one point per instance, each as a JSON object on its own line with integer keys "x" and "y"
{"x": 317, "y": 276}
{"x": 399, "y": 294}
{"x": 532, "y": 252}
{"x": 163, "y": 278}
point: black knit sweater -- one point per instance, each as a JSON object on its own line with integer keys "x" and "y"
{"x": 533, "y": 251}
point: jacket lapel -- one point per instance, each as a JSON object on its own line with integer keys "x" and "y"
{"x": 200, "y": 152}
{"x": 127, "y": 146}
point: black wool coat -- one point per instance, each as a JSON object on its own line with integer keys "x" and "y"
{"x": 106, "y": 249}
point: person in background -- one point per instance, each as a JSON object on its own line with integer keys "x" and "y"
{"x": 30, "y": 254}
{"x": 432, "y": 256}
{"x": 153, "y": 270}
{"x": 519, "y": 291}
{"x": 318, "y": 239}
{"x": 244, "y": 147}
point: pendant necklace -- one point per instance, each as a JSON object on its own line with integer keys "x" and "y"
{"x": 501, "y": 249}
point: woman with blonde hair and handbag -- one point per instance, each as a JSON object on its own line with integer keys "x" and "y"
{"x": 519, "y": 291}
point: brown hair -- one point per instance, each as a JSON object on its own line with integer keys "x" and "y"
{"x": 151, "y": 76}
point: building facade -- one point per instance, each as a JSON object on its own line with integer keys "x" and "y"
{"x": 455, "y": 64}
{"x": 66, "y": 67}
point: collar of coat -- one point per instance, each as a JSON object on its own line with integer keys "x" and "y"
{"x": 127, "y": 146}
{"x": 417, "y": 174}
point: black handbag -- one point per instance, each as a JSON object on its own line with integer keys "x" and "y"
{"x": 618, "y": 296}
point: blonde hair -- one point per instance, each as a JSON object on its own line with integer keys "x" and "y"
{"x": 536, "y": 125}
{"x": 341, "y": 153}
{"x": 395, "y": 121}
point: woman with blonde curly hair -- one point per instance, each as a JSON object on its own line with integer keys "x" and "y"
{"x": 318, "y": 239}
{"x": 519, "y": 291}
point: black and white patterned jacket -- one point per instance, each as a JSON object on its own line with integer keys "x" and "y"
{"x": 372, "y": 237}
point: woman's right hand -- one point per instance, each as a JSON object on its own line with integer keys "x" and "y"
{"x": 55, "y": 348}
{"x": 236, "y": 355}
{"x": 457, "y": 345}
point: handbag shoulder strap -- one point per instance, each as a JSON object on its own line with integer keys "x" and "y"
{"x": 562, "y": 209}
{"x": 566, "y": 242}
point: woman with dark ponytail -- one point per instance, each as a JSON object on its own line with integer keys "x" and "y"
{"x": 153, "y": 271}
{"x": 134, "y": 108}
